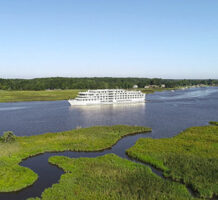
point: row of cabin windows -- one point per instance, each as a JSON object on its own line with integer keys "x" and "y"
{"x": 129, "y": 96}
{"x": 111, "y": 93}
{"x": 112, "y": 96}
{"x": 94, "y": 99}
{"x": 115, "y": 97}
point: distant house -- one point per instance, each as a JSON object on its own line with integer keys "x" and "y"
{"x": 151, "y": 86}
{"x": 135, "y": 86}
{"x": 163, "y": 86}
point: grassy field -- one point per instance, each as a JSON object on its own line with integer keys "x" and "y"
{"x": 190, "y": 157}
{"x": 153, "y": 90}
{"x": 51, "y": 95}
{"x": 14, "y": 177}
{"x": 45, "y": 95}
{"x": 110, "y": 177}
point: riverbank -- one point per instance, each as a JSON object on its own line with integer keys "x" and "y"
{"x": 160, "y": 89}
{"x": 55, "y": 95}
{"x": 190, "y": 157}
{"x": 110, "y": 177}
{"x": 50, "y": 95}
{"x": 13, "y": 177}
{"x": 44, "y": 95}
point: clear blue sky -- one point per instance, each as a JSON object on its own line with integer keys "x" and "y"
{"x": 140, "y": 38}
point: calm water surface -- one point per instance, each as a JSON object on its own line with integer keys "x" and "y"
{"x": 167, "y": 113}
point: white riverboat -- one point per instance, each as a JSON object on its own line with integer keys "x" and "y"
{"x": 108, "y": 96}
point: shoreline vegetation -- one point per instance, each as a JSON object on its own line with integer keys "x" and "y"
{"x": 14, "y": 177}
{"x": 61, "y": 88}
{"x": 110, "y": 177}
{"x": 7, "y": 96}
{"x": 190, "y": 157}
{"x": 97, "y": 83}
{"x": 213, "y": 123}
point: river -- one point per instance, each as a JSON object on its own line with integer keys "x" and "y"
{"x": 167, "y": 113}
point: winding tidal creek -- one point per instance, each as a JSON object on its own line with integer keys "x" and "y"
{"x": 167, "y": 113}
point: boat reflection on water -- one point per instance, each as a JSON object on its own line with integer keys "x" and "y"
{"x": 110, "y": 106}
{"x": 111, "y": 114}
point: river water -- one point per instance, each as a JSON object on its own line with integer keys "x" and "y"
{"x": 167, "y": 113}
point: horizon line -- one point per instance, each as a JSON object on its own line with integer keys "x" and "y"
{"x": 98, "y": 77}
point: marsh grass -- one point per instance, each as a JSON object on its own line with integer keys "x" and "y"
{"x": 190, "y": 157}
{"x": 14, "y": 177}
{"x": 43, "y": 95}
{"x": 110, "y": 177}
{"x": 52, "y": 95}
{"x": 153, "y": 90}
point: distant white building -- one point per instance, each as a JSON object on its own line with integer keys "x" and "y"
{"x": 151, "y": 86}
{"x": 163, "y": 86}
{"x": 135, "y": 86}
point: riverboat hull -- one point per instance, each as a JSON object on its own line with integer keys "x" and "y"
{"x": 77, "y": 103}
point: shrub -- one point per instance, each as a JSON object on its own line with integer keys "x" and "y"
{"x": 213, "y": 123}
{"x": 8, "y": 136}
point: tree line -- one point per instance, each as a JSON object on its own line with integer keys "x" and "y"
{"x": 94, "y": 83}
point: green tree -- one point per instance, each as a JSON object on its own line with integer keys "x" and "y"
{"x": 8, "y": 136}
